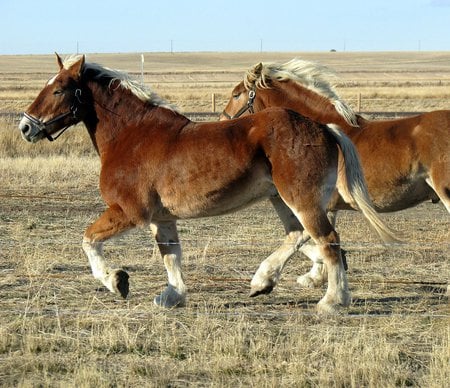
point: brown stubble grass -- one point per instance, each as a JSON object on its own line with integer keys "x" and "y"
{"x": 60, "y": 328}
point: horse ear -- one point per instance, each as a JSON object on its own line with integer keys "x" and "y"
{"x": 59, "y": 60}
{"x": 258, "y": 69}
{"x": 76, "y": 69}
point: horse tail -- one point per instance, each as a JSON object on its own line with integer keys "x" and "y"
{"x": 356, "y": 185}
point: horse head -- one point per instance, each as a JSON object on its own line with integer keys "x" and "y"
{"x": 58, "y": 106}
{"x": 243, "y": 97}
{"x": 302, "y": 86}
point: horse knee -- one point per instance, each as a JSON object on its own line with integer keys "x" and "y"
{"x": 112, "y": 222}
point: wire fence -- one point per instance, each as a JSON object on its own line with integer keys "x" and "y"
{"x": 15, "y": 117}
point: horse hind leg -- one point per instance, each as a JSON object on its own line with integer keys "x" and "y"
{"x": 327, "y": 241}
{"x": 317, "y": 275}
{"x": 439, "y": 181}
{"x": 269, "y": 271}
{"x": 111, "y": 223}
{"x": 313, "y": 217}
{"x": 166, "y": 236}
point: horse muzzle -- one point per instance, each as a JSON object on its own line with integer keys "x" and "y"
{"x": 30, "y": 131}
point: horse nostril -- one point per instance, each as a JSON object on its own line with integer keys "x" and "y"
{"x": 24, "y": 128}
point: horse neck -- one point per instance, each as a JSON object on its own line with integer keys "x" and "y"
{"x": 292, "y": 95}
{"x": 118, "y": 111}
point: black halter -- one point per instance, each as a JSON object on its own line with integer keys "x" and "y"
{"x": 245, "y": 108}
{"x": 44, "y": 125}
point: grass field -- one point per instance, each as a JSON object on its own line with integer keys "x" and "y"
{"x": 387, "y": 81}
{"x": 58, "y": 327}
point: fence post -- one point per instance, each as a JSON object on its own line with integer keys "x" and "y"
{"x": 358, "y": 106}
{"x": 213, "y": 102}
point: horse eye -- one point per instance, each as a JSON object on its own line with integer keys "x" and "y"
{"x": 57, "y": 92}
{"x": 236, "y": 96}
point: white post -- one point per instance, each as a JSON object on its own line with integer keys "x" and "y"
{"x": 142, "y": 69}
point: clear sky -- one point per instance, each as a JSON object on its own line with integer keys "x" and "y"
{"x": 103, "y": 26}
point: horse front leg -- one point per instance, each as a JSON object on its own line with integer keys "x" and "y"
{"x": 317, "y": 275}
{"x": 111, "y": 223}
{"x": 166, "y": 236}
{"x": 269, "y": 271}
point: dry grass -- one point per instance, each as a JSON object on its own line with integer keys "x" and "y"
{"x": 189, "y": 79}
{"x": 59, "y": 328}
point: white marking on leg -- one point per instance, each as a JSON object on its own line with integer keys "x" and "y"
{"x": 94, "y": 252}
{"x": 167, "y": 237}
{"x": 269, "y": 271}
{"x": 337, "y": 294}
{"x": 318, "y": 273}
{"x": 172, "y": 263}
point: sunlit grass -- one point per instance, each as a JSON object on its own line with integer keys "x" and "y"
{"x": 58, "y": 327}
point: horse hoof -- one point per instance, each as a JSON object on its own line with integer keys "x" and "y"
{"x": 261, "y": 291}
{"x": 167, "y": 303}
{"x": 330, "y": 309}
{"x": 306, "y": 281}
{"x": 324, "y": 308}
{"x": 334, "y": 306}
{"x": 120, "y": 283}
{"x": 170, "y": 298}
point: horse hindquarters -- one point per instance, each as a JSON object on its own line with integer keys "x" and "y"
{"x": 305, "y": 180}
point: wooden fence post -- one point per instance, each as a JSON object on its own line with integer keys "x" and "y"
{"x": 213, "y": 102}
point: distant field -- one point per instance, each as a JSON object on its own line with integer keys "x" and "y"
{"x": 58, "y": 327}
{"x": 415, "y": 63}
{"x": 410, "y": 81}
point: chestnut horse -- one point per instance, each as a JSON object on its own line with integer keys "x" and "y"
{"x": 157, "y": 166}
{"x": 405, "y": 161}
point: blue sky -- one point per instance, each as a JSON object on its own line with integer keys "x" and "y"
{"x": 44, "y": 26}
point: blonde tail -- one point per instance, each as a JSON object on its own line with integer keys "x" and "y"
{"x": 357, "y": 187}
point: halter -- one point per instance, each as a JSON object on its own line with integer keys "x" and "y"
{"x": 245, "y": 108}
{"x": 43, "y": 126}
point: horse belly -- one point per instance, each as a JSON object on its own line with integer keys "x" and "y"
{"x": 402, "y": 195}
{"x": 238, "y": 196}
{"x": 250, "y": 187}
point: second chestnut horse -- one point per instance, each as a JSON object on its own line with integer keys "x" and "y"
{"x": 405, "y": 161}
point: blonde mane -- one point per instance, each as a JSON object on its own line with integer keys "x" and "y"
{"x": 313, "y": 76}
{"x": 109, "y": 76}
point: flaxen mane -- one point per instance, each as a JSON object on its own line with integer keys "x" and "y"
{"x": 312, "y": 76}
{"x": 108, "y": 77}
